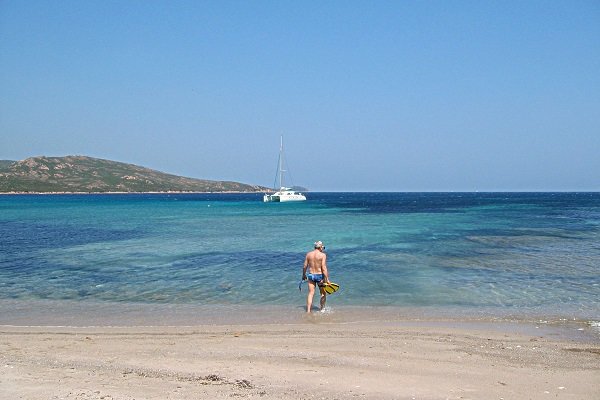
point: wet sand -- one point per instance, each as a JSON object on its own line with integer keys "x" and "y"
{"x": 310, "y": 359}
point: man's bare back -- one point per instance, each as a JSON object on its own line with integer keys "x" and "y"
{"x": 315, "y": 260}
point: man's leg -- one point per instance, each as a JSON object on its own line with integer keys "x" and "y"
{"x": 323, "y": 297}
{"x": 309, "y": 297}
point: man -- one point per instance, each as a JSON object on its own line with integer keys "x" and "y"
{"x": 316, "y": 263}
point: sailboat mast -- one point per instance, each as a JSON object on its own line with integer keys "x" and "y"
{"x": 281, "y": 163}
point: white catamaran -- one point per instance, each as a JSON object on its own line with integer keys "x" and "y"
{"x": 284, "y": 193}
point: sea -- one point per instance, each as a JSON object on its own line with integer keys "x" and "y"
{"x": 147, "y": 259}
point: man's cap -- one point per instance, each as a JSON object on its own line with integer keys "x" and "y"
{"x": 319, "y": 244}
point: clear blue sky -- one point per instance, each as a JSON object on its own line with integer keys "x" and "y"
{"x": 369, "y": 95}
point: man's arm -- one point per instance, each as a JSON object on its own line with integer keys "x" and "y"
{"x": 324, "y": 268}
{"x": 304, "y": 268}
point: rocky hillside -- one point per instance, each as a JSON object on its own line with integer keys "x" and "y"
{"x": 87, "y": 174}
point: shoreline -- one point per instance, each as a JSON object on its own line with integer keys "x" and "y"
{"x": 307, "y": 191}
{"x": 96, "y": 193}
{"x": 76, "y": 315}
{"x": 294, "y": 361}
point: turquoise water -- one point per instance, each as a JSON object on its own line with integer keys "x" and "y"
{"x": 505, "y": 253}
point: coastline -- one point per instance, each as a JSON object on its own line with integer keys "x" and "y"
{"x": 96, "y": 193}
{"x": 307, "y": 191}
{"x": 312, "y": 358}
{"x": 81, "y": 314}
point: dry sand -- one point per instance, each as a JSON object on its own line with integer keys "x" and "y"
{"x": 308, "y": 360}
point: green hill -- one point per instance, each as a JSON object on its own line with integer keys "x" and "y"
{"x": 4, "y": 164}
{"x": 87, "y": 174}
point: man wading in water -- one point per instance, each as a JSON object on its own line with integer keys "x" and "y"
{"x": 316, "y": 263}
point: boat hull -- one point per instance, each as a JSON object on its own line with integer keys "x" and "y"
{"x": 283, "y": 197}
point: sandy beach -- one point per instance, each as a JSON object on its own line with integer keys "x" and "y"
{"x": 312, "y": 359}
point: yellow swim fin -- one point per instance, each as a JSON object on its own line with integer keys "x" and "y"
{"x": 331, "y": 287}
